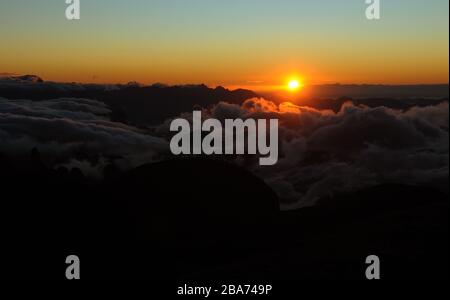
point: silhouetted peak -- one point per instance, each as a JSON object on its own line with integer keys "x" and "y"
{"x": 216, "y": 177}
{"x": 25, "y": 78}
{"x": 221, "y": 88}
{"x": 159, "y": 85}
{"x": 193, "y": 86}
{"x": 134, "y": 84}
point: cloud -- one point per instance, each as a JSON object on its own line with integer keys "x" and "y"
{"x": 322, "y": 152}
{"x": 61, "y": 128}
{"x": 70, "y": 108}
{"x": 325, "y": 152}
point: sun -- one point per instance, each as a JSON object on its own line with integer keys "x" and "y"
{"x": 294, "y": 85}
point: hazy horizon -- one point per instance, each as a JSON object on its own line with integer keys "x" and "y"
{"x": 6, "y": 75}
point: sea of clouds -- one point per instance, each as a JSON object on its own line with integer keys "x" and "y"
{"x": 62, "y": 129}
{"x": 322, "y": 152}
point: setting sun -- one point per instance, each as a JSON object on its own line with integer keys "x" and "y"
{"x": 294, "y": 85}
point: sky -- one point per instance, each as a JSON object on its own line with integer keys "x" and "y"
{"x": 234, "y": 43}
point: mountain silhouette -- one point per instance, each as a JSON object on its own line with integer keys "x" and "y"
{"x": 203, "y": 219}
{"x": 135, "y": 103}
{"x": 153, "y": 104}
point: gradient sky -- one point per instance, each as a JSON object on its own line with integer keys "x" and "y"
{"x": 230, "y": 43}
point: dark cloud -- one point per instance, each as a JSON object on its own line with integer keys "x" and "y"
{"x": 62, "y": 127}
{"x": 70, "y": 108}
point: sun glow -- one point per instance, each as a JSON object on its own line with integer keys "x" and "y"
{"x": 294, "y": 85}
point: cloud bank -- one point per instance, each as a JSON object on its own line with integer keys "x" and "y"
{"x": 325, "y": 152}
{"x": 322, "y": 152}
{"x": 64, "y": 129}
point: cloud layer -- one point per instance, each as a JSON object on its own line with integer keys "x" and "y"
{"x": 322, "y": 152}
{"x": 325, "y": 152}
{"x": 63, "y": 129}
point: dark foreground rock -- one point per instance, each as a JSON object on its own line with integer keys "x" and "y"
{"x": 206, "y": 219}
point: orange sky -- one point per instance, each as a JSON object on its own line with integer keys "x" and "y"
{"x": 256, "y": 44}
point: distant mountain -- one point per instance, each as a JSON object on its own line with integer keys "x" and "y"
{"x": 312, "y": 93}
{"x": 132, "y": 102}
{"x": 142, "y": 105}
{"x": 153, "y": 104}
{"x": 22, "y": 78}
{"x": 380, "y": 91}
